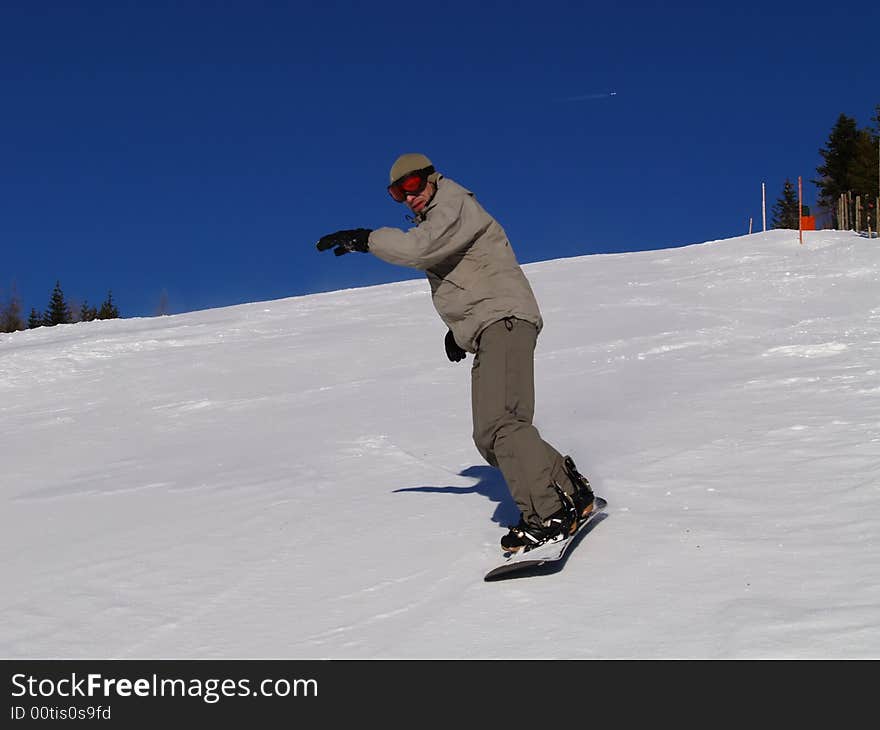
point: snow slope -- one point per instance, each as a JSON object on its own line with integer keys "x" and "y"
{"x": 295, "y": 478}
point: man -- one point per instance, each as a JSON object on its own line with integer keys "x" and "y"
{"x": 484, "y": 298}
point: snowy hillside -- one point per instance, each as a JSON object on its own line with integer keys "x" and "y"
{"x": 295, "y": 478}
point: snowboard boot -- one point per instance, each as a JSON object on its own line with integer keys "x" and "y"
{"x": 583, "y": 498}
{"x": 526, "y": 535}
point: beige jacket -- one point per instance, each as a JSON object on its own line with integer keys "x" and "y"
{"x": 474, "y": 275}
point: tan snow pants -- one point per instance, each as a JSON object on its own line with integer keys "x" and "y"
{"x": 503, "y": 404}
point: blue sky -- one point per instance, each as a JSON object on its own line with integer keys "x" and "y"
{"x": 200, "y": 149}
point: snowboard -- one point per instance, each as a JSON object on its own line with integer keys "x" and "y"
{"x": 549, "y": 555}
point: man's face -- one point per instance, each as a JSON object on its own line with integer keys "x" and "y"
{"x": 417, "y": 203}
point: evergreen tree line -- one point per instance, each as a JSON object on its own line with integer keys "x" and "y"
{"x": 850, "y": 168}
{"x": 58, "y": 311}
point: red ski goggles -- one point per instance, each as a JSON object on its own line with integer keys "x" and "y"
{"x": 410, "y": 184}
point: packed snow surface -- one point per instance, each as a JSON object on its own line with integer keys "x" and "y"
{"x": 295, "y": 479}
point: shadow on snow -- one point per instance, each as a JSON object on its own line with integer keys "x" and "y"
{"x": 490, "y": 483}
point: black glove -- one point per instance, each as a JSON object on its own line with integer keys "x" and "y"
{"x": 345, "y": 241}
{"x": 453, "y": 351}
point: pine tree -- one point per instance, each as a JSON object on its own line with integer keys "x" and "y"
{"x": 87, "y": 313}
{"x": 870, "y": 158}
{"x": 863, "y": 171}
{"x": 58, "y": 311}
{"x": 785, "y": 211}
{"x": 10, "y": 314}
{"x": 838, "y": 154}
{"x": 108, "y": 309}
{"x": 851, "y": 164}
{"x": 35, "y": 319}
{"x": 874, "y": 202}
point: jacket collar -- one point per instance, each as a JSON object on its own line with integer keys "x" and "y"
{"x": 433, "y": 201}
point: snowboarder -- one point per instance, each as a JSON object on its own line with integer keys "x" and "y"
{"x": 484, "y": 298}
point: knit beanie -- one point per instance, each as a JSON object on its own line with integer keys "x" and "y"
{"x": 410, "y": 162}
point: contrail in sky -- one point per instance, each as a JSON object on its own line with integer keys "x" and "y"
{"x": 587, "y": 97}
